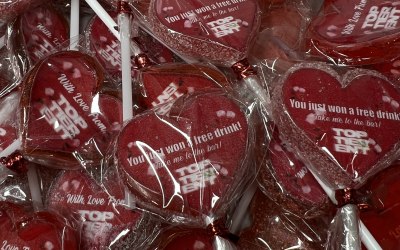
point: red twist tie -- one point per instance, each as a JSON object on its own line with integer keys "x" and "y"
{"x": 142, "y": 61}
{"x": 243, "y": 69}
{"x": 15, "y": 162}
{"x": 218, "y": 228}
{"x": 351, "y": 196}
{"x": 123, "y": 7}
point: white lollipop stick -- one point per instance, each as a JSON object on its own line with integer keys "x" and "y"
{"x": 105, "y": 17}
{"x": 74, "y": 24}
{"x": 32, "y": 175}
{"x": 366, "y": 237}
{"x": 124, "y": 24}
{"x": 36, "y": 195}
{"x": 241, "y": 209}
{"x": 127, "y": 105}
{"x": 16, "y": 145}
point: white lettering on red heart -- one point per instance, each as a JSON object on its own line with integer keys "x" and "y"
{"x": 64, "y": 118}
{"x": 197, "y": 175}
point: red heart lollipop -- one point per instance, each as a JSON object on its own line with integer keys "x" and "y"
{"x": 383, "y": 220}
{"x": 168, "y": 82}
{"x": 76, "y": 195}
{"x": 215, "y": 31}
{"x": 188, "y": 163}
{"x": 107, "y": 50}
{"x": 62, "y": 111}
{"x": 357, "y": 32}
{"x": 11, "y": 9}
{"x": 183, "y": 238}
{"x": 41, "y": 230}
{"x": 275, "y": 229}
{"x": 287, "y": 181}
{"x": 345, "y": 125}
{"x": 42, "y": 30}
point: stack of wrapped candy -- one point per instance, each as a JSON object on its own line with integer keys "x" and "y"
{"x": 199, "y": 124}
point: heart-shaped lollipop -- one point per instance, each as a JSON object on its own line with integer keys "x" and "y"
{"x": 77, "y": 196}
{"x": 11, "y": 9}
{"x": 357, "y": 32}
{"x": 107, "y": 50}
{"x": 42, "y": 29}
{"x": 62, "y": 112}
{"x": 383, "y": 220}
{"x": 286, "y": 180}
{"x": 185, "y": 238}
{"x": 275, "y": 229}
{"x": 344, "y": 125}
{"x": 189, "y": 162}
{"x": 41, "y": 230}
{"x": 167, "y": 82}
{"x": 216, "y": 31}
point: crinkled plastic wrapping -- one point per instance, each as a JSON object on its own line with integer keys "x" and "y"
{"x": 106, "y": 47}
{"x": 209, "y": 31}
{"x": 344, "y": 230}
{"x": 341, "y": 122}
{"x": 203, "y": 30}
{"x": 23, "y": 229}
{"x": 33, "y": 35}
{"x": 286, "y": 180}
{"x": 10, "y": 9}
{"x": 178, "y": 237}
{"x": 159, "y": 84}
{"x": 356, "y": 32}
{"x": 274, "y": 228}
{"x": 282, "y": 29}
{"x": 382, "y": 218}
{"x": 8, "y": 124}
{"x": 190, "y": 163}
{"x": 66, "y": 120}
{"x": 101, "y": 220}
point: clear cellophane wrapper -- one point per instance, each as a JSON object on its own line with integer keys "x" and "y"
{"x": 191, "y": 163}
{"x": 11, "y": 9}
{"x": 286, "y": 180}
{"x": 31, "y": 36}
{"x": 329, "y": 123}
{"x": 275, "y": 228}
{"x": 355, "y": 33}
{"x": 180, "y": 237}
{"x": 24, "y": 229}
{"x": 101, "y": 219}
{"x": 105, "y": 47}
{"x": 344, "y": 139}
{"x": 67, "y": 115}
{"x": 282, "y": 31}
{"x": 196, "y": 26}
